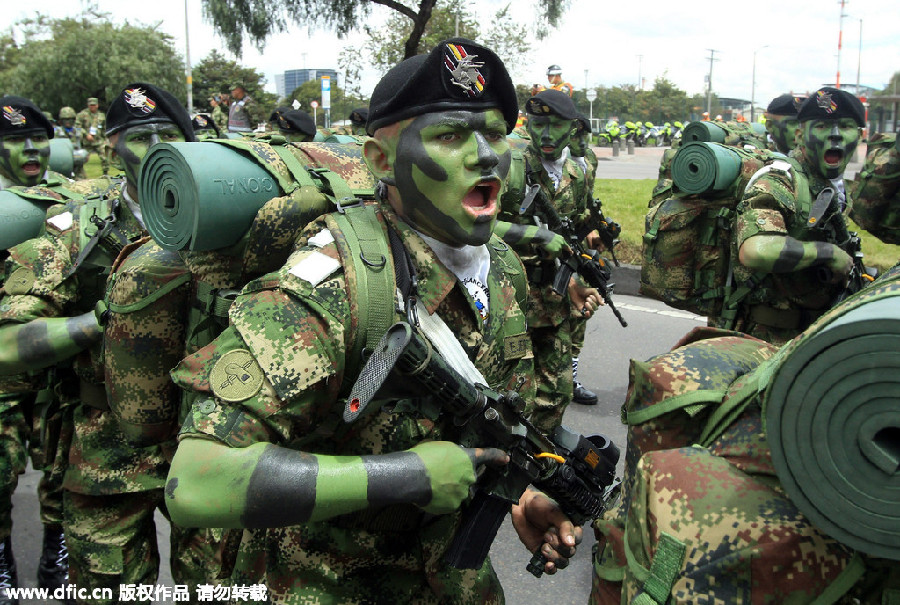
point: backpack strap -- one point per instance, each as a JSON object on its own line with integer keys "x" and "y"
{"x": 660, "y": 578}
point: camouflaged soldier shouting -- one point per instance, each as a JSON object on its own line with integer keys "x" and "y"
{"x": 363, "y": 513}
{"x": 790, "y": 224}
{"x": 48, "y": 319}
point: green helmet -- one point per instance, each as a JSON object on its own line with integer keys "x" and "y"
{"x": 66, "y": 112}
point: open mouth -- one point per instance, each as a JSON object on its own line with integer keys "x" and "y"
{"x": 548, "y": 148}
{"x": 833, "y": 157}
{"x": 31, "y": 168}
{"x": 482, "y": 199}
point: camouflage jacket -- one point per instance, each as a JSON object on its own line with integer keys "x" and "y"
{"x": 220, "y": 118}
{"x": 91, "y": 123}
{"x": 876, "y": 190}
{"x": 100, "y": 461}
{"x": 297, "y": 334}
{"x": 774, "y": 205}
{"x": 570, "y": 199}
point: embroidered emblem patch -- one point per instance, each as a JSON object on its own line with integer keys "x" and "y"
{"x": 236, "y": 376}
{"x": 463, "y": 69}
{"x": 138, "y": 99}
{"x": 479, "y": 294}
{"x": 516, "y": 346}
{"x": 20, "y": 282}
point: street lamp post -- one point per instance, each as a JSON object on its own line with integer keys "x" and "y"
{"x": 753, "y": 85}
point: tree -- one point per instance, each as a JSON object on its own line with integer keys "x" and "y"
{"x": 258, "y": 19}
{"x": 341, "y": 102}
{"x": 215, "y": 75}
{"x": 64, "y": 61}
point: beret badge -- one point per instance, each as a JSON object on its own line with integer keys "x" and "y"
{"x": 463, "y": 70}
{"x": 824, "y": 100}
{"x": 13, "y": 116}
{"x": 137, "y": 99}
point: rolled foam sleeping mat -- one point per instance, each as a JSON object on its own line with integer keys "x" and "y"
{"x": 833, "y": 423}
{"x": 201, "y": 196}
{"x": 705, "y": 167}
{"x": 62, "y": 156}
{"x": 703, "y": 132}
{"x": 20, "y": 218}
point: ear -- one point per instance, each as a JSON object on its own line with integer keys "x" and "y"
{"x": 377, "y": 159}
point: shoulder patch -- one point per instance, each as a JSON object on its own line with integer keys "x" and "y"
{"x": 20, "y": 282}
{"x": 62, "y": 221}
{"x": 236, "y": 376}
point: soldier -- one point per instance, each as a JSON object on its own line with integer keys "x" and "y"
{"x": 555, "y": 79}
{"x": 218, "y": 114}
{"x": 294, "y": 125}
{"x": 364, "y": 513}
{"x": 111, "y": 489}
{"x": 781, "y": 122}
{"x": 25, "y": 135}
{"x": 244, "y": 113}
{"x": 358, "y": 118}
{"x": 92, "y": 123}
{"x": 204, "y": 127}
{"x": 791, "y": 221}
{"x": 551, "y": 124}
{"x": 876, "y": 189}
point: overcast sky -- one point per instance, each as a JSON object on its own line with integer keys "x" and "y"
{"x": 795, "y": 42}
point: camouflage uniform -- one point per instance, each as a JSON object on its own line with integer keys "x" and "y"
{"x": 876, "y": 190}
{"x": 94, "y": 123}
{"x": 550, "y": 318}
{"x": 390, "y": 555}
{"x": 220, "y": 118}
{"x": 111, "y": 488}
{"x": 244, "y": 115}
{"x": 783, "y": 304}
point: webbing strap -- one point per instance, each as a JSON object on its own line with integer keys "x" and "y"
{"x": 374, "y": 274}
{"x": 685, "y": 400}
{"x": 339, "y": 187}
{"x": 664, "y": 570}
{"x": 137, "y": 306}
{"x": 845, "y": 581}
{"x": 301, "y": 176}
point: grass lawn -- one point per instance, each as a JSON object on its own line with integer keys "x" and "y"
{"x": 625, "y": 201}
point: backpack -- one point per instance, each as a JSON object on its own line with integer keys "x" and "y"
{"x": 874, "y": 191}
{"x": 687, "y": 244}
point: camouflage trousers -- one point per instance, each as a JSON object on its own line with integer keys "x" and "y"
{"x": 112, "y": 540}
{"x": 579, "y": 329}
{"x": 19, "y": 433}
{"x": 552, "y": 347}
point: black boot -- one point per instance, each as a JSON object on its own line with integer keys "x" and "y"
{"x": 8, "y": 576}
{"x": 53, "y": 568}
{"x": 583, "y": 396}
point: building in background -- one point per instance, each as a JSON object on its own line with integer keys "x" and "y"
{"x": 287, "y": 82}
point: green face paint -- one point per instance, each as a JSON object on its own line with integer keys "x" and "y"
{"x": 134, "y": 142}
{"x": 448, "y": 168}
{"x": 24, "y": 157}
{"x": 578, "y": 143}
{"x": 783, "y": 130}
{"x": 550, "y": 135}
{"x": 831, "y": 144}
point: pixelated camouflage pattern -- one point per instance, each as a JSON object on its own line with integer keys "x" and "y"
{"x": 686, "y": 248}
{"x": 345, "y": 559}
{"x": 876, "y": 190}
{"x": 220, "y": 118}
{"x": 549, "y": 314}
{"x": 85, "y": 120}
{"x": 663, "y": 188}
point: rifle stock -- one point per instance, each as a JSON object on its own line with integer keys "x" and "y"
{"x": 577, "y": 472}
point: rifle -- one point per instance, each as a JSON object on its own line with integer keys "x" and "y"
{"x": 608, "y": 230}
{"x": 588, "y": 264}
{"x": 577, "y": 472}
{"x": 826, "y": 204}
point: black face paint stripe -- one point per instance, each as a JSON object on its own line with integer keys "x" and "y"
{"x": 282, "y": 489}
{"x": 397, "y": 478}
{"x": 789, "y": 257}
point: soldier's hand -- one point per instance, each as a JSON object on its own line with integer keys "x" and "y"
{"x": 593, "y": 241}
{"x": 839, "y": 266}
{"x": 553, "y": 245}
{"x": 451, "y": 471}
{"x": 540, "y": 523}
{"x": 585, "y": 300}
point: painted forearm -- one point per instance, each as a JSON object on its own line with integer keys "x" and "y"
{"x": 42, "y": 343}
{"x": 785, "y": 254}
{"x": 264, "y": 485}
{"x": 519, "y": 236}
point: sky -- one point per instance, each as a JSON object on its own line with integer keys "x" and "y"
{"x": 792, "y": 44}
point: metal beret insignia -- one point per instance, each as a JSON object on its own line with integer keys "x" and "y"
{"x": 236, "y": 376}
{"x": 13, "y": 116}
{"x": 463, "y": 69}
{"x": 824, "y": 101}
{"x": 137, "y": 98}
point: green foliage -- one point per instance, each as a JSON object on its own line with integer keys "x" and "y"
{"x": 215, "y": 74}
{"x": 341, "y": 102}
{"x": 664, "y": 102}
{"x": 64, "y": 61}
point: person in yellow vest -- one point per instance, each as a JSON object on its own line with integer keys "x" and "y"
{"x": 554, "y": 77}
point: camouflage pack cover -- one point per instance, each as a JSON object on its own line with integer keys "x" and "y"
{"x": 876, "y": 190}
{"x": 164, "y": 305}
{"x": 686, "y": 249}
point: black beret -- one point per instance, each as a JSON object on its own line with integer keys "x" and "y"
{"x": 359, "y": 116}
{"x": 204, "y": 121}
{"x": 456, "y": 74}
{"x": 293, "y": 120}
{"x": 584, "y": 123}
{"x": 21, "y": 116}
{"x": 141, "y": 103}
{"x": 554, "y": 102}
{"x": 785, "y": 105}
{"x": 832, "y": 104}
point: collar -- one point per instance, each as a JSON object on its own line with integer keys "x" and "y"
{"x": 133, "y": 206}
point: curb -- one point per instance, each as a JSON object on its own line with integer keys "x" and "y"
{"x": 627, "y": 279}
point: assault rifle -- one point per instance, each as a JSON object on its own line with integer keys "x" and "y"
{"x": 577, "y": 472}
{"x": 826, "y": 205}
{"x": 588, "y": 264}
{"x": 608, "y": 230}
